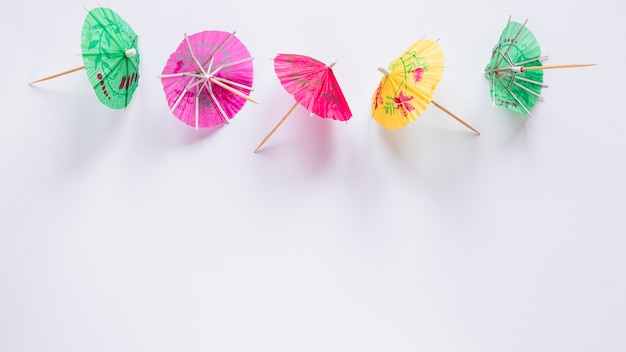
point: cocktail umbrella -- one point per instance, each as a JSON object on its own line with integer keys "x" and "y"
{"x": 208, "y": 79}
{"x": 314, "y": 86}
{"x": 408, "y": 86}
{"x": 110, "y": 57}
{"x": 515, "y": 70}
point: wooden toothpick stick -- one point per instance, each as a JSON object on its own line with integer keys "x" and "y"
{"x": 455, "y": 117}
{"x": 57, "y": 75}
{"x": 276, "y": 127}
{"x": 534, "y": 68}
{"x": 232, "y": 90}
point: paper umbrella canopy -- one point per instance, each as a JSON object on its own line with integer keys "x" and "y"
{"x": 208, "y": 78}
{"x": 313, "y": 85}
{"x": 408, "y": 86}
{"x": 515, "y": 71}
{"x": 110, "y": 57}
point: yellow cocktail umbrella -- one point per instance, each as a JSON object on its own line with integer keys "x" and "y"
{"x": 408, "y": 86}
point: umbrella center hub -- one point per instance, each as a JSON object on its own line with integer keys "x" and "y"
{"x": 205, "y": 76}
{"x": 131, "y": 52}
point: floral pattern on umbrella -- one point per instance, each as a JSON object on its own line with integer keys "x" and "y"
{"x": 408, "y": 85}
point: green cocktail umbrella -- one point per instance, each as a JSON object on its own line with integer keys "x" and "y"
{"x": 110, "y": 57}
{"x": 515, "y": 70}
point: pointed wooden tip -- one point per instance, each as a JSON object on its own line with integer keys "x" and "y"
{"x": 56, "y": 75}
{"x": 263, "y": 142}
{"x": 455, "y": 117}
{"x": 38, "y": 80}
{"x": 276, "y": 127}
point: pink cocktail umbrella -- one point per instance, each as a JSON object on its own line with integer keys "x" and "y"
{"x": 208, "y": 79}
{"x": 313, "y": 85}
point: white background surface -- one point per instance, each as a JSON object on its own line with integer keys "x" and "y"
{"x": 130, "y": 231}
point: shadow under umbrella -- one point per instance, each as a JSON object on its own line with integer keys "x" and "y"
{"x": 307, "y": 150}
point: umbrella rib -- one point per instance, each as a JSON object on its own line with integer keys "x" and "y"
{"x": 222, "y": 83}
{"x": 518, "y": 101}
{"x": 510, "y": 78}
{"x": 230, "y": 64}
{"x": 512, "y": 94}
{"x": 198, "y": 82}
{"x": 499, "y": 79}
{"x": 180, "y": 97}
{"x": 210, "y": 67}
{"x": 234, "y": 84}
{"x": 527, "y": 89}
{"x": 541, "y": 58}
{"x": 232, "y": 90}
{"x": 193, "y": 56}
{"x": 181, "y": 74}
{"x": 219, "y": 47}
{"x": 197, "y": 106}
{"x": 512, "y": 41}
{"x": 506, "y": 58}
{"x": 216, "y": 102}
{"x": 530, "y": 81}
